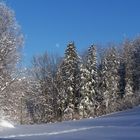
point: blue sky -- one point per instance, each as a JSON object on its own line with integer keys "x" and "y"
{"x": 48, "y": 25}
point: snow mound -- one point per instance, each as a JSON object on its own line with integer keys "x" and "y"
{"x": 6, "y": 124}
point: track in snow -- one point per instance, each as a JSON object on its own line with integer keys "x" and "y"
{"x": 119, "y": 126}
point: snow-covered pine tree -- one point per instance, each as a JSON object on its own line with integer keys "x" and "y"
{"x": 85, "y": 105}
{"x": 71, "y": 81}
{"x": 132, "y": 66}
{"x": 88, "y": 102}
{"x": 114, "y": 57}
{"x": 61, "y": 95}
{"x": 128, "y": 88}
{"x": 136, "y": 64}
{"x": 103, "y": 85}
{"x": 129, "y": 94}
{"x": 127, "y": 54}
{"x": 111, "y": 79}
{"x": 122, "y": 72}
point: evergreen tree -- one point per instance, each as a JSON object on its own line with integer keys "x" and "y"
{"x": 103, "y": 85}
{"x": 88, "y": 91}
{"x": 114, "y": 71}
{"x": 71, "y": 81}
{"x": 132, "y": 61}
{"x": 110, "y": 79}
{"x": 86, "y": 103}
{"x": 136, "y": 65}
{"x": 92, "y": 68}
{"x": 61, "y": 95}
{"x": 122, "y": 73}
{"x": 128, "y": 89}
{"x": 128, "y": 60}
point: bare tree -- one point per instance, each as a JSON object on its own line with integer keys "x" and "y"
{"x": 44, "y": 100}
{"x": 11, "y": 40}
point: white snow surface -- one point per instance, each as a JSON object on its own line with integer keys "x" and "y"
{"x": 118, "y": 126}
{"x": 5, "y": 124}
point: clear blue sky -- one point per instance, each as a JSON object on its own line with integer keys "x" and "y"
{"x": 51, "y": 24}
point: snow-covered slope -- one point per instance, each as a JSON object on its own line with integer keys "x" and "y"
{"x": 119, "y": 126}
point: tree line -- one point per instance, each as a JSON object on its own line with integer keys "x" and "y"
{"x": 55, "y": 88}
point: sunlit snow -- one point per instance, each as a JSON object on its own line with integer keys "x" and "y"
{"x": 4, "y": 123}
{"x": 123, "y": 125}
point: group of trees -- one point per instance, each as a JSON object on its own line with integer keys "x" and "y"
{"x": 63, "y": 88}
{"x": 75, "y": 87}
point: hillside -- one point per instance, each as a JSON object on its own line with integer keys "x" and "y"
{"x": 118, "y": 126}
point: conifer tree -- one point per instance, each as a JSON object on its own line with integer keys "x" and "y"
{"x": 136, "y": 65}
{"x": 92, "y": 68}
{"x": 71, "y": 80}
{"x": 128, "y": 89}
{"x": 114, "y": 71}
{"x": 128, "y": 53}
{"x": 110, "y": 82}
{"x": 86, "y": 104}
{"x": 103, "y": 84}
{"x": 88, "y": 90}
{"x": 61, "y": 95}
{"x": 130, "y": 73}
{"x": 122, "y": 73}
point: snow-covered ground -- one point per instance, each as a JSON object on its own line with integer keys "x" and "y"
{"x": 5, "y": 124}
{"x": 119, "y": 126}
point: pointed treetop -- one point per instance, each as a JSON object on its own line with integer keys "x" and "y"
{"x": 71, "y": 43}
{"x": 70, "y": 50}
{"x": 70, "y": 46}
{"x": 92, "y": 49}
